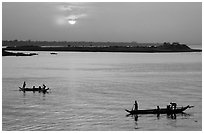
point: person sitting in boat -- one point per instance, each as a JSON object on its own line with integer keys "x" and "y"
{"x": 168, "y": 107}
{"x": 44, "y": 86}
{"x": 34, "y": 89}
{"x": 173, "y": 105}
{"x": 136, "y": 105}
{"x": 39, "y": 88}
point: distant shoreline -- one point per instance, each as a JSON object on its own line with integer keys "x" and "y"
{"x": 94, "y": 47}
{"x": 103, "y": 49}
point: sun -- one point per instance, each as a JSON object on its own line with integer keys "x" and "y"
{"x": 72, "y": 22}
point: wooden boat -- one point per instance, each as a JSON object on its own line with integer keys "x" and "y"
{"x": 160, "y": 111}
{"x": 39, "y": 89}
{"x": 34, "y": 89}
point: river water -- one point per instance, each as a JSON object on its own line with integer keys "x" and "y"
{"x": 90, "y": 91}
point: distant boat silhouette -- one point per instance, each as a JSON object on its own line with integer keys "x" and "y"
{"x": 39, "y": 89}
{"x": 53, "y": 53}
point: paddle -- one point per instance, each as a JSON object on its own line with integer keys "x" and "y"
{"x": 132, "y": 106}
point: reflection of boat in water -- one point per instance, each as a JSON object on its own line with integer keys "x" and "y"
{"x": 53, "y": 53}
{"x": 168, "y": 116}
{"x": 39, "y": 89}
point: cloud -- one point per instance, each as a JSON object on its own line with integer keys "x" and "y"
{"x": 76, "y": 16}
{"x": 70, "y": 11}
{"x": 71, "y": 7}
{"x": 64, "y": 8}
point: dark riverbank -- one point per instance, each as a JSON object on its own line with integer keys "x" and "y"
{"x": 6, "y": 53}
{"x": 94, "y": 47}
{"x": 107, "y": 49}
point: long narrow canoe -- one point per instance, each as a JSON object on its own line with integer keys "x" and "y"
{"x": 33, "y": 89}
{"x": 159, "y": 111}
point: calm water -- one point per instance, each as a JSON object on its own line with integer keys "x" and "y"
{"x": 90, "y": 91}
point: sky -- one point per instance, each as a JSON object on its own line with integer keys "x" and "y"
{"x": 103, "y": 21}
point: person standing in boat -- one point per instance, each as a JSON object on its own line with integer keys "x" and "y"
{"x": 136, "y": 105}
{"x": 24, "y": 84}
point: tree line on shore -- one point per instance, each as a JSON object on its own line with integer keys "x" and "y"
{"x": 16, "y": 43}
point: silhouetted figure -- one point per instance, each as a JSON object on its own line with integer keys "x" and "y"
{"x": 33, "y": 89}
{"x": 168, "y": 107}
{"x": 39, "y": 88}
{"x": 136, "y": 105}
{"x": 44, "y": 86}
{"x": 44, "y": 89}
{"x": 173, "y": 105}
{"x": 24, "y": 84}
{"x": 158, "y": 108}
